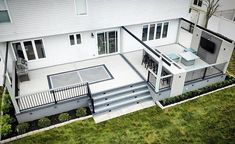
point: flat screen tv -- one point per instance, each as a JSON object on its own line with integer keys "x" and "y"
{"x": 207, "y": 45}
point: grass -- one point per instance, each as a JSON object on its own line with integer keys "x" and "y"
{"x": 209, "y": 119}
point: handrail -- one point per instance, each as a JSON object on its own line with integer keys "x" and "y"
{"x": 52, "y": 96}
{"x": 52, "y": 89}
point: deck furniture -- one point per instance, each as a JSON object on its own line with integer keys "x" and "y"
{"x": 190, "y": 50}
{"x": 188, "y": 58}
{"x": 174, "y": 57}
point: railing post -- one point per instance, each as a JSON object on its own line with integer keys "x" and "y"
{"x": 89, "y": 94}
{"x": 53, "y": 93}
{"x": 148, "y": 76}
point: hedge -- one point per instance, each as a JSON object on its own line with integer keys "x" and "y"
{"x": 229, "y": 80}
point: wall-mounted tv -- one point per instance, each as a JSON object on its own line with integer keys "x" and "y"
{"x": 207, "y": 45}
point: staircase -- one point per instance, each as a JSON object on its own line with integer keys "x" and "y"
{"x": 118, "y": 98}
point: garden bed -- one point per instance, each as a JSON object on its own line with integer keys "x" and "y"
{"x": 229, "y": 80}
{"x": 11, "y": 128}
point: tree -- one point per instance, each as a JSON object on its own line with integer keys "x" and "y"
{"x": 212, "y": 6}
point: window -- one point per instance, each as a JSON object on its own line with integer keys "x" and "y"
{"x": 39, "y": 48}
{"x": 159, "y": 30}
{"x": 197, "y": 2}
{"x": 78, "y": 37}
{"x": 145, "y": 33}
{"x": 4, "y": 14}
{"x": 71, "y": 38}
{"x": 81, "y": 7}
{"x": 151, "y": 31}
{"x": 29, "y": 50}
{"x": 156, "y": 31}
{"x": 165, "y": 29}
{"x": 74, "y": 37}
{"x": 18, "y": 50}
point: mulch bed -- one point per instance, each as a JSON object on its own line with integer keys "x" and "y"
{"x": 33, "y": 124}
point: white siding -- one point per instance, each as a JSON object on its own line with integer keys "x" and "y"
{"x": 128, "y": 43}
{"x": 36, "y": 18}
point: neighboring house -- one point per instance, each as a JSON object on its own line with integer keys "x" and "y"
{"x": 198, "y": 10}
{"x": 113, "y": 56}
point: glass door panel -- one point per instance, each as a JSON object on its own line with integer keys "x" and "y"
{"x": 102, "y": 43}
{"x": 112, "y": 42}
{"x": 107, "y": 42}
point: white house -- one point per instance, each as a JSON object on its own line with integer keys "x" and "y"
{"x": 60, "y": 55}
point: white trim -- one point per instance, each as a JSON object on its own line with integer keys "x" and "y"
{"x": 24, "y": 51}
{"x": 75, "y": 6}
{"x": 118, "y": 43}
{"x": 34, "y": 49}
{"x": 155, "y": 31}
{"x": 75, "y": 39}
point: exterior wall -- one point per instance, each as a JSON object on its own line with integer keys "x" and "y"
{"x": 223, "y": 26}
{"x": 177, "y": 84}
{"x": 201, "y": 84}
{"x": 225, "y": 49}
{"x": 128, "y": 43}
{"x": 225, "y": 52}
{"x": 2, "y": 62}
{"x": 34, "y": 18}
{"x": 59, "y": 51}
{"x": 52, "y": 109}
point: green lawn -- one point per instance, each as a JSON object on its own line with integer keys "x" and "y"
{"x": 210, "y": 119}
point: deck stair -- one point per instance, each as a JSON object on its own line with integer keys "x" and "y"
{"x": 117, "y": 98}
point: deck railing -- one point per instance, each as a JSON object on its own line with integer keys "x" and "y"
{"x": 53, "y": 96}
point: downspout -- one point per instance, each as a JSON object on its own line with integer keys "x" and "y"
{"x": 5, "y": 65}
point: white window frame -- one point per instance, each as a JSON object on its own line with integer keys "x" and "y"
{"x": 118, "y": 43}
{"x": 75, "y": 39}
{"x": 167, "y": 29}
{"x": 160, "y": 31}
{"x": 77, "y": 7}
{"x": 155, "y": 31}
{"x": 198, "y": 3}
{"x": 34, "y": 49}
{"x": 7, "y": 9}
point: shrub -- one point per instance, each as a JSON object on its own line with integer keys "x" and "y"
{"x": 228, "y": 81}
{"x": 22, "y": 128}
{"x": 80, "y": 112}
{"x": 5, "y": 125}
{"x": 64, "y": 117}
{"x": 7, "y": 105}
{"x": 44, "y": 122}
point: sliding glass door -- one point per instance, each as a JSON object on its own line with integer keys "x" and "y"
{"x": 107, "y": 42}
